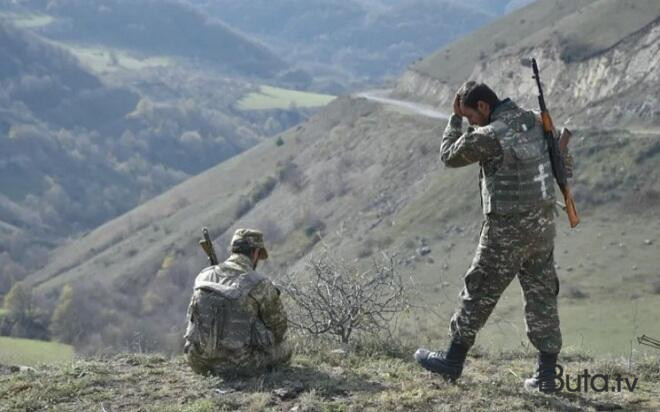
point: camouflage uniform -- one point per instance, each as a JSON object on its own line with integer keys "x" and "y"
{"x": 236, "y": 322}
{"x": 517, "y": 236}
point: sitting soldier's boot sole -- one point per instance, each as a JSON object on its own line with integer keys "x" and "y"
{"x": 436, "y": 362}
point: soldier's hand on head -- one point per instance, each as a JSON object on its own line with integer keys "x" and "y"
{"x": 457, "y": 106}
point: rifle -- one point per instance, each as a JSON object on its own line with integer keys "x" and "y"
{"x": 207, "y": 245}
{"x": 649, "y": 341}
{"x": 556, "y": 159}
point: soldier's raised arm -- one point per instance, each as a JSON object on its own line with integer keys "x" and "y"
{"x": 475, "y": 145}
{"x": 461, "y": 149}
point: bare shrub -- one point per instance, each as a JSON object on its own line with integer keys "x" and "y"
{"x": 291, "y": 175}
{"x": 259, "y": 191}
{"x": 336, "y": 298}
{"x": 272, "y": 231}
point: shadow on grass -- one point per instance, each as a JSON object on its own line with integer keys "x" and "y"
{"x": 302, "y": 378}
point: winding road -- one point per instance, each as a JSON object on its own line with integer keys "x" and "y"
{"x": 380, "y": 96}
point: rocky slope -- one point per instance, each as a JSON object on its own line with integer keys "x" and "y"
{"x": 597, "y": 62}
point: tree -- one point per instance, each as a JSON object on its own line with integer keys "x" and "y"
{"x": 18, "y": 302}
{"x": 65, "y": 324}
{"x": 22, "y": 318}
{"x": 6, "y": 281}
{"x": 337, "y": 298}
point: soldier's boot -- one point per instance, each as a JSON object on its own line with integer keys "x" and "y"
{"x": 447, "y": 364}
{"x": 545, "y": 374}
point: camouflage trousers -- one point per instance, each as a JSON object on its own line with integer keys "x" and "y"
{"x": 243, "y": 363}
{"x": 512, "y": 245}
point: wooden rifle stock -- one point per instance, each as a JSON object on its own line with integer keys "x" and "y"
{"x": 571, "y": 211}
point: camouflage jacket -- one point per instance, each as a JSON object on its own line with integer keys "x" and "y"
{"x": 236, "y": 280}
{"x": 516, "y": 174}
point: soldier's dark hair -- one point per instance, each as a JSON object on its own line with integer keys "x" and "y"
{"x": 242, "y": 248}
{"x": 471, "y": 92}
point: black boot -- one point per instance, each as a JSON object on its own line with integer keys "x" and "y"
{"x": 545, "y": 374}
{"x": 448, "y": 364}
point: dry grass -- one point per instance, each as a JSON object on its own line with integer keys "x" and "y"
{"x": 365, "y": 378}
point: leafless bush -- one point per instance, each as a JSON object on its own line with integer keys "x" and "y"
{"x": 336, "y": 298}
{"x": 291, "y": 175}
{"x": 272, "y": 231}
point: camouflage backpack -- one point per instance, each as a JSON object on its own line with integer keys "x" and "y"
{"x": 223, "y": 319}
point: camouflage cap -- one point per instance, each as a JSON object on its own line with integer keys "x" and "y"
{"x": 252, "y": 237}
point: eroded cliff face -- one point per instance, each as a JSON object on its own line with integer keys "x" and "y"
{"x": 617, "y": 87}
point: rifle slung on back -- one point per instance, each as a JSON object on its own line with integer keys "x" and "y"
{"x": 555, "y": 148}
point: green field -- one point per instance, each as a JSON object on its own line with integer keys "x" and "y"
{"x": 269, "y": 97}
{"x": 27, "y": 21}
{"x": 28, "y": 352}
{"x": 104, "y": 59}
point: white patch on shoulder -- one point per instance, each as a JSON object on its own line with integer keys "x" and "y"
{"x": 498, "y": 127}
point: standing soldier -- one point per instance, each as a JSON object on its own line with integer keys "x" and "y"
{"x": 517, "y": 235}
{"x": 236, "y": 322}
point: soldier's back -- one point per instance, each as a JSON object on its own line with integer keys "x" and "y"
{"x": 226, "y": 332}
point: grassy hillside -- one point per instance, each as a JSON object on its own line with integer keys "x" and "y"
{"x": 317, "y": 380}
{"x": 587, "y": 27}
{"x": 14, "y": 351}
{"x": 366, "y": 177}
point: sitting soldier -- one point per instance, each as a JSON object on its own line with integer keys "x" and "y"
{"x": 236, "y": 322}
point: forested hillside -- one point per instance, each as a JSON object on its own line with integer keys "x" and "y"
{"x": 79, "y": 150}
{"x": 357, "y": 41}
{"x": 153, "y": 27}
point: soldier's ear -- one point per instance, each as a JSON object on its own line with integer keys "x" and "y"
{"x": 483, "y": 107}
